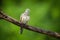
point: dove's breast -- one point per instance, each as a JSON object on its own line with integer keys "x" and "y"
{"x": 25, "y": 19}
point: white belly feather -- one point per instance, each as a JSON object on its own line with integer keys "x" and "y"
{"x": 25, "y": 19}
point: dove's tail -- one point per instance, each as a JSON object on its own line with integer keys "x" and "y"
{"x": 21, "y": 30}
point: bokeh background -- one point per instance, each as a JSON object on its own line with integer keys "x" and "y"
{"x": 45, "y": 14}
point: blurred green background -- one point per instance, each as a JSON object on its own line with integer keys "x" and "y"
{"x": 44, "y": 14}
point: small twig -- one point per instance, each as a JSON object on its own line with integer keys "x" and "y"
{"x": 32, "y": 28}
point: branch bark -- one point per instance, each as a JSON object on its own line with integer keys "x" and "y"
{"x": 28, "y": 27}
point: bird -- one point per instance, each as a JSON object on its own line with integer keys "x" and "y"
{"x": 24, "y": 18}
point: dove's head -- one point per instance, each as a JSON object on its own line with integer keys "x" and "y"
{"x": 27, "y": 11}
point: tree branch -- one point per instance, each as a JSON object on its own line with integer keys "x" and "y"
{"x": 28, "y": 27}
